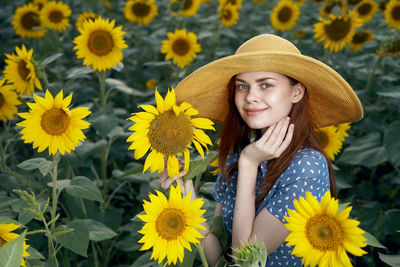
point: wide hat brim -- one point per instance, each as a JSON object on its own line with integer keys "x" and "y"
{"x": 331, "y": 98}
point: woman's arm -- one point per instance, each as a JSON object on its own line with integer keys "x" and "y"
{"x": 271, "y": 145}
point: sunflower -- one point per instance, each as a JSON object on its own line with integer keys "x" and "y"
{"x": 39, "y": 3}
{"x": 320, "y": 234}
{"x": 26, "y": 22}
{"x": 215, "y": 164}
{"x": 366, "y": 9}
{"x": 391, "y": 47}
{"x": 228, "y": 14}
{"x": 171, "y": 225}
{"x": 342, "y": 130}
{"x": 21, "y": 72}
{"x": 151, "y": 84}
{"x": 392, "y": 14}
{"x": 336, "y": 31}
{"x": 188, "y": 7}
{"x": 236, "y": 3}
{"x": 8, "y": 101}
{"x": 168, "y": 131}
{"x": 181, "y": 47}
{"x": 140, "y": 11}
{"x": 84, "y": 16}
{"x": 359, "y": 39}
{"x": 285, "y": 15}
{"x": 51, "y": 124}
{"x": 6, "y": 236}
{"x": 330, "y": 140}
{"x": 54, "y": 15}
{"x": 328, "y": 6}
{"x": 100, "y": 44}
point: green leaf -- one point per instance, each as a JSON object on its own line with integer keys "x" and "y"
{"x": 188, "y": 258}
{"x": 88, "y": 148}
{"x": 392, "y": 142}
{"x": 31, "y": 164}
{"x": 392, "y": 260}
{"x": 197, "y": 167}
{"x": 136, "y": 218}
{"x": 218, "y": 229}
{"x": 50, "y": 59}
{"x": 34, "y": 254}
{"x": 208, "y": 188}
{"x": 77, "y": 240}
{"x": 342, "y": 206}
{"x": 83, "y": 187}
{"x": 395, "y": 93}
{"x": 122, "y": 87}
{"x": 144, "y": 261}
{"x": 60, "y": 184}
{"x": 367, "y": 151}
{"x": 372, "y": 241}
{"x": 79, "y": 72}
{"x": 119, "y": 66}
{"x": 11, "y": 253}
{"x": 104, "y": 124}
{"x": 46, "y": 166}
{"x": 97, "y": 230}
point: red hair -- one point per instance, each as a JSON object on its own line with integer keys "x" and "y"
{"x": 235, "y": 135}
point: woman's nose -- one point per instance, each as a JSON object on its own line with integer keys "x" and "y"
{"x": 252, "y": 95}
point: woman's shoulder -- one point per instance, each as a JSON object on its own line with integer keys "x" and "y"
{"x": 308, "y": 157}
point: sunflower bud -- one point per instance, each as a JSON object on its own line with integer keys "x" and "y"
{"x": 391, "y": 47}
{"x": 250, "y": 255}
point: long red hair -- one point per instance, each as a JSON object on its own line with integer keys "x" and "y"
{"x": 235, "y": 135}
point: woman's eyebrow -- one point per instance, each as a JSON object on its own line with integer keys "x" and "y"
{"x": 258, "y": 80}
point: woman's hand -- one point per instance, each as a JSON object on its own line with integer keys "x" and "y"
{"x": 271, "y": 144}
{"x": 166, "y": 181}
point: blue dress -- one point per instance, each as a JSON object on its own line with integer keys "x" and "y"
{"x": 308, "y": 171}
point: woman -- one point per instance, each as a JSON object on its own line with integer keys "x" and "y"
{"x": 269, "y": 98}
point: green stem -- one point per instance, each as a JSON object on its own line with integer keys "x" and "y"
{"x": 55, "y": 197}
{"x": 197, "y": 184}
{"x": 202, "y": 255}
{"x": 371, "y": 74}
{"x": 96, "y": 260}
{"x": 101, "y": 77}
{"x": 104, "y": 173}
{"x": 113, "y": 193}
{"x": 83, "y": 207}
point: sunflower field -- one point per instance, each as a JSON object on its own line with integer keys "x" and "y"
{"x": 89, "y": 121}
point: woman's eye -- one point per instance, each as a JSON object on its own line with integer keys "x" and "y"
{"x": 265, "y": 85}
{"x": 241, "y": 86}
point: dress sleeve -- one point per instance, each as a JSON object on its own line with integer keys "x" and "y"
{"x": 307, "y": 172}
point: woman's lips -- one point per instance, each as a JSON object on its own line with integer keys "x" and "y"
{"x": 254, "y": 111}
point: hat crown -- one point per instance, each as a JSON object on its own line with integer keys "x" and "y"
{"x": 267, "y": 43}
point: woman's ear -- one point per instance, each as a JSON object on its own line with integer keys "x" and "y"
{"x": 298, "y": 92}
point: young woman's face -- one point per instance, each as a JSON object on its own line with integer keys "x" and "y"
{"x": 263, "y": 98}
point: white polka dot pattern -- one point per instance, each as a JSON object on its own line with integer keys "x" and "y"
{"x": 308, "y": 171}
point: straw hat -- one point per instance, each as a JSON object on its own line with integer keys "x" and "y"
{"x": 332, "y": 99}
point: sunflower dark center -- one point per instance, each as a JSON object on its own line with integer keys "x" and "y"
{"x": 187, "y": 4}
{"x": 324, "y": 232}
{"x": 170, "y": 134}
{"x": 364, "y": 9}
{"x": 227, "y": 14}
{"x": 140, "y": 9}
{"x": 23, "y": 71}
{"x": 232, "y": 2}
{"x": 30, "y": 20}
{"x": 55, "y": 121}
{"x": 1, "y": 104}
{"x": 285, "y": 14}
{"x": 181, "y": 47}
{"x": 170, "y": 223}
{"x": 360, "y": 37}
{"x": 396, "y": 12}
{"x": 56, "y": 16}
{"x": 100, "y": 42}
{"x": 338, "y": 29}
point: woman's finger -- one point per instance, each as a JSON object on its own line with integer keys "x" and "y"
{"x": 264, "y": 138}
